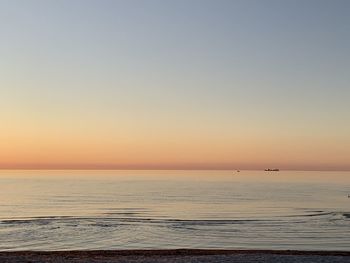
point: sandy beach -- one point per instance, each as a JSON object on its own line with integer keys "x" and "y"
{"x": 176, "y": 256}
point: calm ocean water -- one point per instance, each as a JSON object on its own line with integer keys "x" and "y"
{"x": 65, "y": 210}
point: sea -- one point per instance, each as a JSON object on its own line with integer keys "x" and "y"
{"x": 133, "y": 209}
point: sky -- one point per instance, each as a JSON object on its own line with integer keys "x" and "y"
{"x": 185, "y": 84}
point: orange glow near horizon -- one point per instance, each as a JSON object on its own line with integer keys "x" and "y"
{"x": 103, "y": 149}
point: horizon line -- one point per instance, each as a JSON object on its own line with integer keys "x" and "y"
{"x": 165, "y": 169}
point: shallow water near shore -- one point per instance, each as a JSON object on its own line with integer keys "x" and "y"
{"x": 68, "y": 210}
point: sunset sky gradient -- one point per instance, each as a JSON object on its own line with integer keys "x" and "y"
{"x": 185, "y": 84}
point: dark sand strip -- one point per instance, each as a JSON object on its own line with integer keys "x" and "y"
{"x": 176, "y": 256}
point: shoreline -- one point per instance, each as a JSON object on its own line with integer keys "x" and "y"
{"x": 177, "y": 252}
{"x": 175, "y": 256}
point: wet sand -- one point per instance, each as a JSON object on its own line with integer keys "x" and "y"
{"x": 176, "y": 256}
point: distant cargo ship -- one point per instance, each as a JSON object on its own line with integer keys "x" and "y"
{"x": 272, "y": 170}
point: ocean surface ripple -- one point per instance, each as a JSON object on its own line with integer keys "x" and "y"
{"x": 187, "y": 210}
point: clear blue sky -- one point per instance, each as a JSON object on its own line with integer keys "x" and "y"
{"x": 212, "y": 83}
